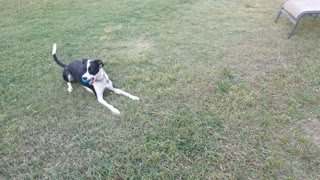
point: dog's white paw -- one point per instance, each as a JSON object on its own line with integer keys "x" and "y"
{"x": 70, "y": 89}
{"x": 135, "y": 98}
{"x": 115, "y": 111}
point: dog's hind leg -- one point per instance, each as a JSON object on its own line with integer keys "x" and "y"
{"x": 67, "y": 76}
{"x": 70, "y": 78}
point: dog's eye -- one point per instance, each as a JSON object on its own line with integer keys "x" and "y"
{"x": 84, "y": 69}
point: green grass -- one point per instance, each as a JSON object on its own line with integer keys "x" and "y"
{"x": 224, "y": 94}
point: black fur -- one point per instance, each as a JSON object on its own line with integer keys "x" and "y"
{"x": 76, "y": 69}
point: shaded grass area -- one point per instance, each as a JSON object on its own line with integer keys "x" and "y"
{"x": 223, "y": 93}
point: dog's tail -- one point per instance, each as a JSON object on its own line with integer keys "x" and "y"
{"x": 54, "y": 49}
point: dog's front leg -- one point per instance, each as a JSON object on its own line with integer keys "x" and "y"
{"x": 119, "y": 91}
{"x": 102, "y": 101}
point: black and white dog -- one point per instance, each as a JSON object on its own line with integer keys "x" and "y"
{"x": 90, "y": 74}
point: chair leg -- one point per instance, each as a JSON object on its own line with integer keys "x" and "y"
{"x": 276, "y": 20}
{"x": 292, "y": 30}
{"x": 314, "y": 15}
{"x": 294, "y": 27}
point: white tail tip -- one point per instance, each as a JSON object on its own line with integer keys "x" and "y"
{"x": 54, "y": 49}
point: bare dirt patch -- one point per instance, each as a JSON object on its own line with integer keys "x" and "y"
{"x": 138, "y": 46}
{"x": 312, "y": 129}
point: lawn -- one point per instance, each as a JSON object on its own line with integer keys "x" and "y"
{"x": 223, "y": 93}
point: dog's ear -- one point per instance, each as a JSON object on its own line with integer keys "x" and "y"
{"x": 100, "y": 63}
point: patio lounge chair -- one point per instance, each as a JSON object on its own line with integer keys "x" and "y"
{"x": 294, "y": 10}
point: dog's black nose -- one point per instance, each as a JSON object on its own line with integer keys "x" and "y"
{"x": 84, "y": 78}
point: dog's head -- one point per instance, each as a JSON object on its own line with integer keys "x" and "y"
{"x": 91, "y": 69}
